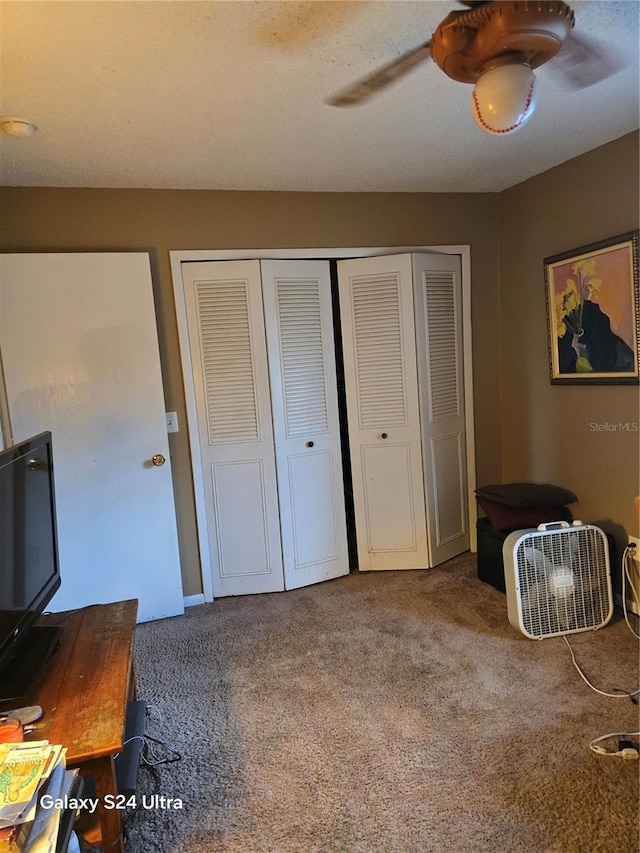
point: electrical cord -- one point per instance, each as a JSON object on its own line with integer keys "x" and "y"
{"x": 154, "y": 760}
{"x": 154, "y": 709}
{"x": 150, "y": 758}
{"x": 149, "y": 755}
{"x": 627, "y": 560}
{"x": 130, "y": 740}
{"x": 619, "y": 694}
{"x": 626, "y": 748}
{"x": 132, "y": 826}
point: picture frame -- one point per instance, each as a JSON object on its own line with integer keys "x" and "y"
{"x": 593, "y": 313}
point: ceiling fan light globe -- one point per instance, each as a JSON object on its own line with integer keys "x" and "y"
{"x": 504, "y": 98}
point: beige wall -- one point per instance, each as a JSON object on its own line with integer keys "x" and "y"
{"x": 525, "y": 428}
{"x": 546, "y": 430}
{"x": 157, "y": 221}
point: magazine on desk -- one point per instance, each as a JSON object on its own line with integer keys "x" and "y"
{"x": 27, "y": 772}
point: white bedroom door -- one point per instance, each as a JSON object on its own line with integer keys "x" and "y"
{"x": 227, "y": 348}
{"x": 299, "y": 325}
{"x": 80, "y": 353}
{"x": 378, "y": 334}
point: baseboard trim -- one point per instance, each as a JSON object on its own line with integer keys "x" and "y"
{"x": 632, "y": 606}
{"x": 193, "y": 600}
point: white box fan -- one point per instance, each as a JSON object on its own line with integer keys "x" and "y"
{"x": 557, "y": 579}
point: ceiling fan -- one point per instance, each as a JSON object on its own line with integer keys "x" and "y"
{"x": 496, "y": 44}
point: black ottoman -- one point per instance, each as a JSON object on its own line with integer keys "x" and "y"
{"x": 509, "y": 507}
{"x": 490, "y": 566}
{"x": 490, "y": 541}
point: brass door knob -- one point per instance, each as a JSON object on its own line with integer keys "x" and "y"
{"x": 158, "y": 459}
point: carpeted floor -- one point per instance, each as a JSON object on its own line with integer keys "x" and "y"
{"x": 381, "y": 713}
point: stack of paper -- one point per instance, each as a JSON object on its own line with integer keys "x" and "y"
{"x": 27, "y": 771}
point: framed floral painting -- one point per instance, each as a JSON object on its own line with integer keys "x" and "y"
{"x": 593, "y": 309}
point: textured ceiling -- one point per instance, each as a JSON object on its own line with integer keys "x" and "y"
{"x": 230, "y": 95}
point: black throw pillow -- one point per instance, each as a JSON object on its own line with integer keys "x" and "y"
{"x": 527, "y": 494}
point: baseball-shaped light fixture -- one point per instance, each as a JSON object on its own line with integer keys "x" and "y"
{"x": 14, "y": 126}
{"x": 504, "y": 98}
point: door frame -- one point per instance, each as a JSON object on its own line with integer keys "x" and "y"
{"x": 177, "y": 258}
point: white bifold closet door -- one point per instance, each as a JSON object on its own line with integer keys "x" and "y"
{"x": 437, "y": 284}
{"x": 304, "y": 399}
{"x": 262, "y": 356}
{"x": 402, "y": 337}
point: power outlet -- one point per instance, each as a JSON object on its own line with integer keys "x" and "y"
{"x": 636, "y": 542}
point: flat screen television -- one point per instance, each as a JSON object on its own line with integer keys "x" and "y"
{"x": 29, "y": 564}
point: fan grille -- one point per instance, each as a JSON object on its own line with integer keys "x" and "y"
{"x": 563, "y": 581}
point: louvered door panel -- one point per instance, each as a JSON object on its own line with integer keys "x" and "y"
{"x": 443, "y": 363}
{"x": 438, "y": 293}
{"x": 376, "y": 307}
{"x": 299, "y": 326}
{"x": 228, "y": 357}
{"x": 299, "y": 318}
{"x": 378, "y": 352}
{"x": 227, "y": 361}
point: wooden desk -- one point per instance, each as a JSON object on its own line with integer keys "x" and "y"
{"x": 84, "y": 696}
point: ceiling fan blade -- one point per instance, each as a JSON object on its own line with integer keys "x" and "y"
{"x": 583, "y": 62}
{"x": 359, "y": 92}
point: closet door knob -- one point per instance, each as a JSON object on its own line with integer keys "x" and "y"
{"x": 309, "y": 444}
{"x": 158, "y": 459}
{"x": 384, "y": 435}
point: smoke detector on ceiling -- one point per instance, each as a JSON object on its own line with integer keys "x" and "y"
{"x": 21, "y": 127}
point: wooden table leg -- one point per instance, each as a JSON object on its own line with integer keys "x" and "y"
{"x": 104, "y": 777}
{"x": 133, "y": 689}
